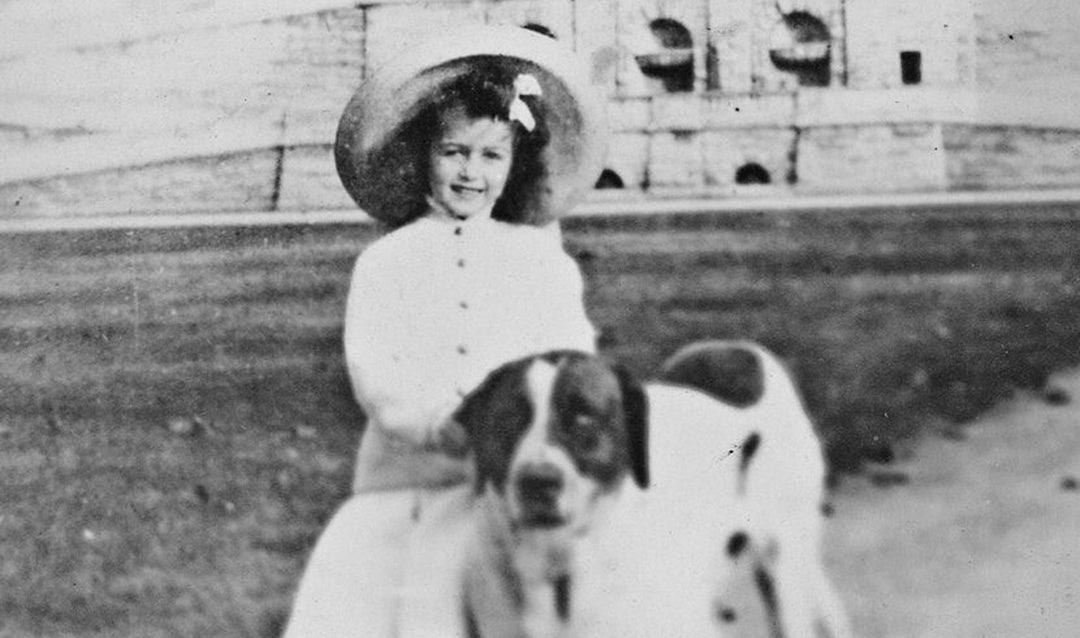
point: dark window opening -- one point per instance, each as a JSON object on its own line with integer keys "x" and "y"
{"x": 673, "y": 62}
{"x": 803, "y": 48}
{"x": 712, "y": 68}
{"x": 911, "y": 67}
{"x": 539, "y": 28}
{"x": 752, "y": 173}
{"x": 609, "y": 179}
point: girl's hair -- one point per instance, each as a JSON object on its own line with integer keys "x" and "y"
{"x": 487, "y": 90}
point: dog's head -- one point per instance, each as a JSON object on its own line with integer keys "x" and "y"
{"x": 553, "y": 432}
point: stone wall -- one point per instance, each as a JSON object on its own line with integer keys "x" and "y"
{"x": 187, "y": 121}
{"x": 241, "y": 116}
{"x": 768, "y": 31}
{"x": 238, "y": 181}
{"x": 1003, "y": 157}
{"x": 249, "y": 85}
{"x": 943, "y": 32}
{"x": 310, "y": 181}
{"x": 872, "y": 158}
{"x": 772, "y": 148}
{"x": 1028, "y": 46}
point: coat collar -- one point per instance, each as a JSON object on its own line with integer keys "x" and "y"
{"x": 438, "y": 212}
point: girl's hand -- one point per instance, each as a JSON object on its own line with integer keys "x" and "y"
{"x": 451, "y": 439}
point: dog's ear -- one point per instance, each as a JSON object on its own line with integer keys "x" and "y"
{"x": 471, "y": 409}
{"x": 636, "y": 413}
{"x": 484, "y": 430}
{"x": 472, "y": 415}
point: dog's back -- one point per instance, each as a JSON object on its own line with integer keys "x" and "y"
{"x": 773, "y": 535}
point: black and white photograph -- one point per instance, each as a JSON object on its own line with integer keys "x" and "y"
{"x": 540, "y": 319}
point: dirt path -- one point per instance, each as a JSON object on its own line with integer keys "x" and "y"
{"x": 983, "y": 541}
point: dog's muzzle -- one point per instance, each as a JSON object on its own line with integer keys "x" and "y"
{"x": 538, "y": 488}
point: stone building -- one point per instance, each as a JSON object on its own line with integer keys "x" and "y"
{"x": 718, "y": 96}
{"x": 706, "y": 98}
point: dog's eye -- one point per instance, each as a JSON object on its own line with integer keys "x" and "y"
{"x": 588, "y": 436}
{"x": 584, "y": 422}
{"x": 587, "y": 441}
{"x": 586, "y": 429}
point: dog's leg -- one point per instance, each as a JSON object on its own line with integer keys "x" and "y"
{"x": 493, "y": 599}
{"x": 499, "y": 606}
{"x": 494, "y": 595}
{"x": 810, "y": 606}
{"x": 830, "y": 611}
{"x": 539, "y": 612}
{"x": 746, "y": 601}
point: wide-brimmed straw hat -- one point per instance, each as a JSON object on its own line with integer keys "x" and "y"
{"x": 376, "y": 152}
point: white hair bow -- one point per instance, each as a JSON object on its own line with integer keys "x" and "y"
{"x": 524, "y": 84}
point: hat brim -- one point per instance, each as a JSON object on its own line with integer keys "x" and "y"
{"x": 376, "y": 152}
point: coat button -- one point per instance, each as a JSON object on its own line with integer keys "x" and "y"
{"x": 458, "y": 230}
{"x": 464, "y": 305}
{"x": 461, "y": 263}
{"x": 462, "y": 349}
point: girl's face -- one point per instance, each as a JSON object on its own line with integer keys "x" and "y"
{"x": 470, "y": 163}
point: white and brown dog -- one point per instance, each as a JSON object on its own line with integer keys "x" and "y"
{"x": 611, "y": 509}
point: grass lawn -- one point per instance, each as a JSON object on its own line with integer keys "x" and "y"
{"x": 176, "y": 425}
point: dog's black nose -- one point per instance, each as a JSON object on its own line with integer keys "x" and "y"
{"x": 540, "y": 481}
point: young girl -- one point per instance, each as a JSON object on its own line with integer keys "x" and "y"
{"x": 473, "y": 276}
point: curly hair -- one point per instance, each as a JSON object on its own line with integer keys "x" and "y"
{"x": 487, "y": 90}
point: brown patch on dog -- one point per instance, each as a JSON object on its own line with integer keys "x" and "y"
{"x": 733, "y": 375}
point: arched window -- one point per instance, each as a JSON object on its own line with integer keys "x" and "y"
{"x": 801, "y": 45}
{"x": 539, "y": 28}
{"x": 672, "y": 61}
{"x": 609, "y": 179}
{"x": 752, "y": 173}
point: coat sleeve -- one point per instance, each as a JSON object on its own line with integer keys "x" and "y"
{"x": 393, "y": 383}
{"x": 568, "y": 325}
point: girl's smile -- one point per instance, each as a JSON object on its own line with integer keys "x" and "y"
{"x": 470, "y": 163}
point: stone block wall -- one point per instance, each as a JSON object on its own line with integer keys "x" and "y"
{"x": 942, "y": 32}
{"x": 817, "y": 107}
{"x": 727, "y": 151}
{"x": 555, "y": 16}
{"x": 1003, "y": 157}
{"x": 872, "y": 158}
{"x": 1027, "y": 45}
{"x": 302, "y": 68}
{"x": 391, "y": 26}
{"x": 596, "y": 35}
{"x": 732, "y": 29}
{"x": 740, "y": 111}
{"x": 628, "y": 158}
{"x": 676, "y": 161}
{"x": 633, "y": 20}
{"x": 239, "y": 181}
{"x": 242, "y": 116}
{"x": 309, "y": 179}
{"x": 316, "y": 71}
{"x": 767, "y": 29}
